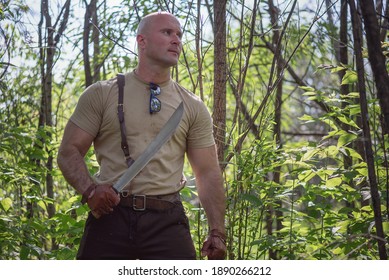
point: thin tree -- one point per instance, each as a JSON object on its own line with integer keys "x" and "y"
{"x": 48, "y": 48}
{"x": 357, "y": 27}
{"x": 89, "y": 18}
{"x": 376, "y": 58}
{"x": 220, "y": 77}
{"x": 271, "y": 214}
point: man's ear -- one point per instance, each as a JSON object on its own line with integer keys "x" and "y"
{"x": 140, "y": 39}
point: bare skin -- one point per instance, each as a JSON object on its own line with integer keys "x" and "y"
{"x": 74, "y": 146}
{"x": 159, "y": 47}
{"x": 211, "y": 194}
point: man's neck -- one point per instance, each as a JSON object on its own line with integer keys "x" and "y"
{"x": 153, "y": 75}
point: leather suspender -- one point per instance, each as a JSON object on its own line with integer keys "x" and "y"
{"x": 124, "y": 144}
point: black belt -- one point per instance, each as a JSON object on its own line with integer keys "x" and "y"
{"x": 143, "y": 202}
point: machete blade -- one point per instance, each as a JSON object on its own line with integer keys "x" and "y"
{"x": 163, "y": 136}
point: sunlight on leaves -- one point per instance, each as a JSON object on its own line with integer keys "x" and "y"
{"x": 349, "y": 78}
{"x": 6, "y": 203}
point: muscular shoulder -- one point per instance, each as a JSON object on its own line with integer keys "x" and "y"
{"x": 100, "y": 91}
{"x": 199, "y": 121}
{"x": 187, "y": 94}
{"x": 92, "y": 104}
{"x": 193, "y": 103}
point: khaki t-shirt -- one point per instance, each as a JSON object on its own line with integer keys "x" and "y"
{"x": 96, "y": 113}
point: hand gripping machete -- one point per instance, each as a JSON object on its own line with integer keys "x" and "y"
{"x": 166, "y": 132}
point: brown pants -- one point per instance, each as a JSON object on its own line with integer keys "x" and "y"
{"x": 130, "y": 234}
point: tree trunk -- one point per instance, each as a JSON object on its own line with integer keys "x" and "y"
{"x": 89, "y": 13}
{"x": 383, "y": 13}
{"x": 45, "y": 115}
{"x": 96, "y": 43}
{"x": 356, "y": 26}
{"x": 46, "y": 109}
{"x": 198, "y": 41}
{"x": 274, "y": 14}
{"x": 342, "y": 57}
{"x": 376, "y": 58}
{"x": 220, "y": 77}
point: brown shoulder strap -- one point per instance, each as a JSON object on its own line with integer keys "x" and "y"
{"x": 124, "y": 144}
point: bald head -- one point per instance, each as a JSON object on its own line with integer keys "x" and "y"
{"x": 147, "y": 21}
{"x": 159, "y": 41}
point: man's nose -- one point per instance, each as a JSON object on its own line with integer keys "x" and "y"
{"x": 176, "y": 39}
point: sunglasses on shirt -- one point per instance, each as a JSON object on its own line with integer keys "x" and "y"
{"x": 155, "y": 103}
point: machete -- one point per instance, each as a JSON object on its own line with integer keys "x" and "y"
{"x": 166, "y": 132}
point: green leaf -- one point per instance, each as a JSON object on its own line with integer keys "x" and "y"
{"x": 254, "y": 200}
{"x": 337, "y": 69}
{"x": 309, "y": 154}
{"x": 354, "y": 110}
{"x": 309, "y": 93}
{"x": 6, "y": 203}
{"x": 366, "y": 208}
{"x": 349, "y": 78}
{"x": 338, "y": 251}
{"x": 386, "y": 227}
{"x": 307, "y": 88}
{"x": 307, "y": 118}
{"x": 345, "y": 139}
{"x": 347, "y": 121}
{"x": 331, "y": 151}
{"x": 350, "y": 152}
{"x": 352, "y": 95}
{"x": 306, "y": 176}
{"x": 24, "y": 252}
{"x": 331, "y": 123}
{"x": 41, "y": 204}
{"x": 334, "y": 182}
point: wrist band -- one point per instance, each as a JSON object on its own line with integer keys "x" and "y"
{"x": 218, "y": 234}
{"x": 87, "y": 192}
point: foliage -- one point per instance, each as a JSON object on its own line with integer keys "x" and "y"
{"x": 322, "y": 200}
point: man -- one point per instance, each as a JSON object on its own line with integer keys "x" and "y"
{"x": 146, "y": 220}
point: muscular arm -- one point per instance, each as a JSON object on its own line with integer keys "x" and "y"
{"x": 74, "y": 146}
{"x": 209, "y": 183}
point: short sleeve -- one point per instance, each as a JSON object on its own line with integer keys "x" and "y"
{"x": 88, "y": 112}
{"x": 200, "y": 134}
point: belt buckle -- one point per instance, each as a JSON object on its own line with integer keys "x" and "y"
{"x": 134, "y": 202}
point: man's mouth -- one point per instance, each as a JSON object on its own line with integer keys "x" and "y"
{"x": 175, "y": 51}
